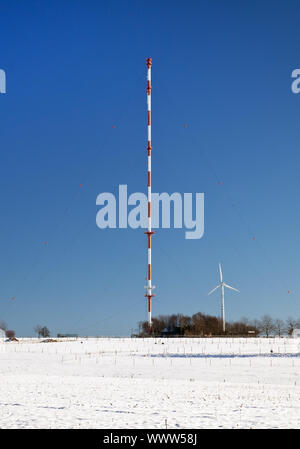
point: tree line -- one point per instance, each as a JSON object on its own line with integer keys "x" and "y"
{"x": 204, "y": 325}
{"x": 41, "y": 331}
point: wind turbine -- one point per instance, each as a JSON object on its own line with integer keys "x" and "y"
{"x": 222, "y": 285}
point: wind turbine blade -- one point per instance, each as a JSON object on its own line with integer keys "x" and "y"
{"x": 231, "y": 288}
{"x": 214, "y": 289}
{"x": 221, "y": 274}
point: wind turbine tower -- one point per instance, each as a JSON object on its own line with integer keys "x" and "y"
{"x": 222, "y": 285}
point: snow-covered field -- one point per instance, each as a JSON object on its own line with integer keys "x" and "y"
{"x": 150, "y": 383}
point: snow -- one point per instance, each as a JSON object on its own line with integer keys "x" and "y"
{"x": 150, "y": 383}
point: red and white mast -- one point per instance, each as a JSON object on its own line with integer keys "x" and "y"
{"x": 149, "y": 295}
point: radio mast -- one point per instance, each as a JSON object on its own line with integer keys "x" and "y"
{"x": 149, "y": 295}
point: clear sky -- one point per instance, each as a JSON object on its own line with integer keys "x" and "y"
{"x": 73, "y": 125}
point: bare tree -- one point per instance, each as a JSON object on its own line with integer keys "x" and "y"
{"x": 3, "y": 325}
{"x": 266, "y": 325}
{"x": 42, "y": 331}
{"x": 45, "y": 332}
{"x": 171, "y": 322}
{"x": 255, "y": 324}
{"x": 37, "y": 329}
{"x": 184, "y": 323}
{"x": 291, "y": 324}
{"x": 198, "y": 324}
{"x": 279, "y": 327}
{"x": 245, "y": 321}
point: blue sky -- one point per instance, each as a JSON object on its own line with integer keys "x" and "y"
{"x": 75, "y": 113}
